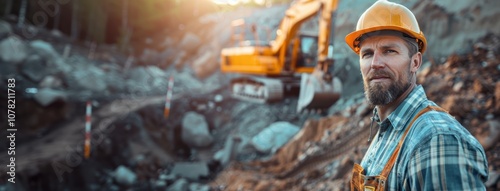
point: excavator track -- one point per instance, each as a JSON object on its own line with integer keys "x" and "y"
{"x": 257, "y": 90}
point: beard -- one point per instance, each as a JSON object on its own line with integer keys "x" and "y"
{"x": 382, "y": 94}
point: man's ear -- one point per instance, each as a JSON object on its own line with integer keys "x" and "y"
{"x": 416, "y": 61}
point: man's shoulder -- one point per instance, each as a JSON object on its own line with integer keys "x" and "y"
{"x": 435, "y": 124}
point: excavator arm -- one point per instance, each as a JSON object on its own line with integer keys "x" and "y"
{"x": 320, "y": 90}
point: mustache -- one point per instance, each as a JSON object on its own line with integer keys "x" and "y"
{"x": 379, "y": 74}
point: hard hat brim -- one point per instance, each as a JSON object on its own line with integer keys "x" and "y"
{"x": 351, "y": 37}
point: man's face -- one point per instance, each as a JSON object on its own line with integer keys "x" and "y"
{"x": 385, "y": 66}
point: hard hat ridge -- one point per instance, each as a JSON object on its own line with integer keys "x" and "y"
{"x": 382, "y": 16}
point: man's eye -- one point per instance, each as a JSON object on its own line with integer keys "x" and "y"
{"x": 390, "y": 51}
{"x": 367, "y": 54}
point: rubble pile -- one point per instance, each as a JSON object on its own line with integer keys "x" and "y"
{"x": 468, "y": 86}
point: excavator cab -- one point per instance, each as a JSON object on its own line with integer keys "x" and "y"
{"x": 308, "y": 51}
{"x": 319, "y": 89}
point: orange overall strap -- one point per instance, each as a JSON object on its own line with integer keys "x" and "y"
{"x": 388, "y": 167}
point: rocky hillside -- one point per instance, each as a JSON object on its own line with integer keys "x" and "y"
{"x": 211, "y": 141}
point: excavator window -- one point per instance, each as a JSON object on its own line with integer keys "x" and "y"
{"x": 308, "y": 51}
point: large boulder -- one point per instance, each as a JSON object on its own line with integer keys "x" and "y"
{"x": 274, "y": 136}
{"x": 195, "y": 132}
{"x": 147, "y": 80}
{"x": 124, "y": 175}
{"x": 45, "y": 49}
{"x": 13, "y": 49}
{"x": 89, "y": 78}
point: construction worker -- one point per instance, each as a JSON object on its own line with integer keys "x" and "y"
{"x": 418, "y": 145}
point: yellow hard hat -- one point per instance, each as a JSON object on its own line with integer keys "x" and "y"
{"x": 382, "y": 16}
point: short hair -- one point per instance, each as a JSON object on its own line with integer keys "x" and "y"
{"x": 411, "y": 45}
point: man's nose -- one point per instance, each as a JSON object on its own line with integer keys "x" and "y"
{"x": 377, "y": 61}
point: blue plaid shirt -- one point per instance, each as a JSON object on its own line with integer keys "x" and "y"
{"x": 438, "y": 152}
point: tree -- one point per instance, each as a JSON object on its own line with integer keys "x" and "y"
{"x": 22, "y": 13}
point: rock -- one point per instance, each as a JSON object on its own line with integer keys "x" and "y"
{"x": 47, "y": 96}
{"x": 61, "y": 65}
{"x": 185, "y": 81}
{"x": 147, "y": 80}
{"x": 51, "y": 82}
{"x": 274, "y": 136}
{"x": 179, "y": 185}
{"x": 124, "y": 175}
{"x": 34, "y": 68}
{"x": 458, "y": 86}
{"x": 218, "y": 98}
{"x": 195, "y": 131}
{"x": 190, "y": 170}
{"x": 45, "y": 49}
{"x": 479, "y": 86}
{"x": 190, "y": 42}
{"x": 13, "y": 49}
{"x": 89, "y": 78}
{"x": 115, "y": 81}
{"x": 167, "y": 177}
{"x": 198, "y": 187}
{"x": 160, "y": 183}
{"x": 205, "y": 65}
{"x": 229, "y": 152}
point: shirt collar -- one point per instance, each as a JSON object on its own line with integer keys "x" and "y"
{"x": 405, "y": 111}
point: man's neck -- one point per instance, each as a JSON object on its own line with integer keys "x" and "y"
{"x": 385, "y": 110}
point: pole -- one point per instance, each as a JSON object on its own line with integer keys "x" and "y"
{"x": 88, "y": 123}
{"x": 166, "y": 112}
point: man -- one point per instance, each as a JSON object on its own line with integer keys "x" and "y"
{"x": 418, "y": 146}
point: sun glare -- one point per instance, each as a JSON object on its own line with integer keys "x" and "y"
{"x": 235, "y": 2}
{"x": 227, "y": 2}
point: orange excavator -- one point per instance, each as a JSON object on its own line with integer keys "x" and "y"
{"x": 297, "y": 58}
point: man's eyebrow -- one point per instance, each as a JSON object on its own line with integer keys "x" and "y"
{"x": 366, "y": 50}
{"x": 384, "y": 47}
{"x": 390, "y": 45}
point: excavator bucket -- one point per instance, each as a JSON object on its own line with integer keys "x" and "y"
{"x": 317, "y": 94}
